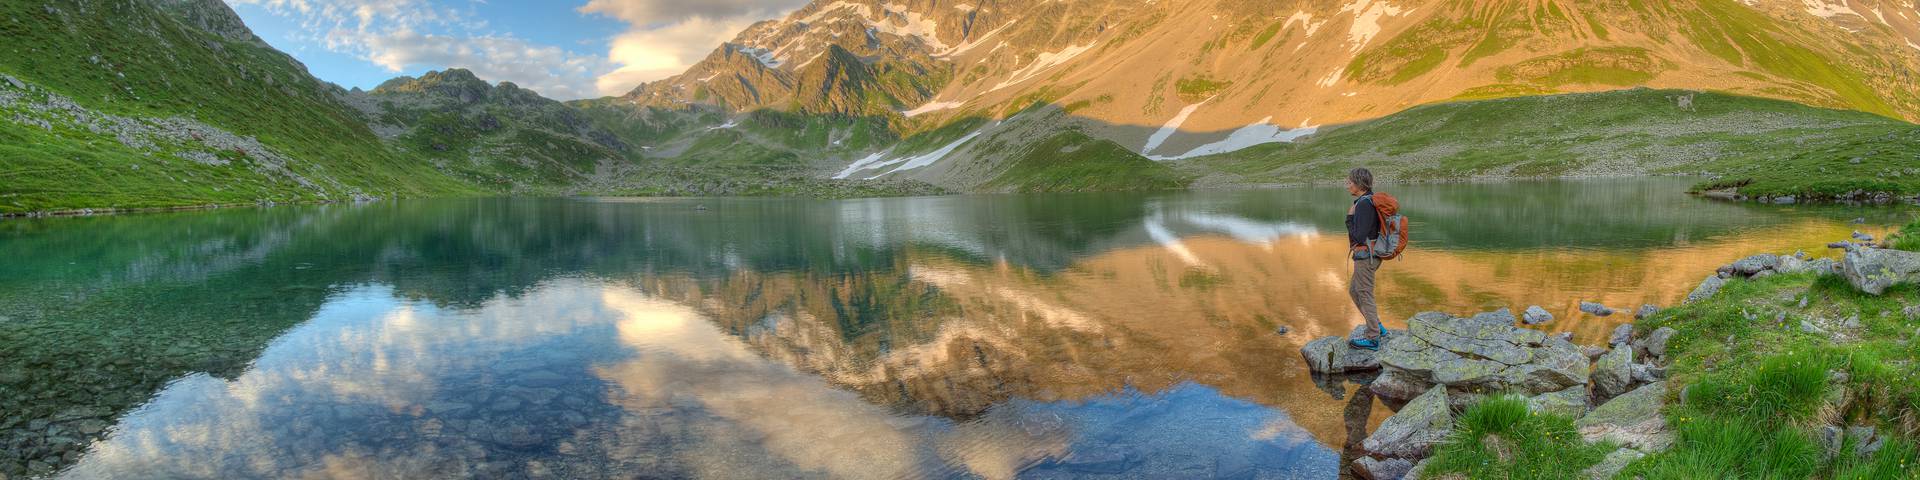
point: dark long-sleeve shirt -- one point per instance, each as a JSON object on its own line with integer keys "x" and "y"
{"x": 1364, "y": 223}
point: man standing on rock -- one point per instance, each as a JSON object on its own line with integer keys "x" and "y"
{"x": 1363, "y": 224}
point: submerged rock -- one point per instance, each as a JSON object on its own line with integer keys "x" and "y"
{"x": 1478, "y": 355}
{"x": 1536, "y": 316}
{"x": 1632, "y": 419}
{"x": 1595, "y": 309}
{"x": 1873, "y": 270}
{"x": 1415, "y": 430}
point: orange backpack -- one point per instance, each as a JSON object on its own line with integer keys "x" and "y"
{"x": 1393, "y": 228}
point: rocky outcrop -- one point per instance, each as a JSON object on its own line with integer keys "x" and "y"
{"x": 1333, "y": 355}
{"x": 1476, "y": 356}
{"x": 1571, "y": 403}
{"x": 1632, "y": 419}
{"x": 1873, "y": 270}
{"x": 1412, "y": 432}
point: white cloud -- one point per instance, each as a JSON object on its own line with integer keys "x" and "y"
{"x": 665, "y": 37}
{"x": 403, "y": 35}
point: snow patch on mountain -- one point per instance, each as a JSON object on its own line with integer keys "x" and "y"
{"x": 1259, "y": 133}
{"x": 1330, "y": 79}
{"x": 931, "y": 107}
{"x": 1366, "y": 20}
{"x": 1172, "y": 126}
{"x": 911, "y": 24}
{"x": 928, "y": 159}
{"x": 1306, "y": 20}
{"x": 1041, "y": 63}
{"x": 862, "y": 164}
{"x": 968, "y": 45}
{"x": 764, "y": 56}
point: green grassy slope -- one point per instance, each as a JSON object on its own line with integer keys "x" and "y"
{"x": 129, "y": 58}
{"x": 1762, "y": 147}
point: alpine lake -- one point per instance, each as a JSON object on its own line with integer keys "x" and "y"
{"x": 982, "y": 336}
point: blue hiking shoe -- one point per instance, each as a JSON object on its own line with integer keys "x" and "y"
{"x": 1364, "y": 344}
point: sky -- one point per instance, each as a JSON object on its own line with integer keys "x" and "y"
{"x": 563, "y": 49}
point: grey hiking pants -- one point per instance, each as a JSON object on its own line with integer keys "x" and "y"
{"x": 1361, "y": 289}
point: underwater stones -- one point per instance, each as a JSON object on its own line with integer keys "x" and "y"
{"x": 1595, "y": 309}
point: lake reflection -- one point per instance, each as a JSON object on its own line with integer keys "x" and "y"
{"x": 981, "y": 336}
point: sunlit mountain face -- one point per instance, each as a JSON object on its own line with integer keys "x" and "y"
{"x": 989, "y": 336}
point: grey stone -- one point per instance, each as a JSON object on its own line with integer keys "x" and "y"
{"x": 1536, "y": 316}
{"x": 1593, "y": 352}
{"x": 1823, "y": 266}
{"x": 1809, "y": 327}
{"x": 1419, "y": 470}
{"x": 1762, "y": 274}
{"x": 1595, "y": 309}
{"x": 1621, "y": 335}
{"x": 1612, "y": 465}
{"x": 1613, "y": 373}
{"x": 1706, "y": 289}
{"x": 1646, "y": 311}
{"x": 1501, "y": 315}
{"x": 1415, "y": 430}
{"x": 1376, "y": 469}
{"x": 1632, "y": 419}
{"x": 1482, "y": 355}
{"x": 1862, "y": 236}
{"x": 1873, "y": 270}
{"x": 1332, "y": 355}
{"x": 1912, "y": 312}
{"x": 1571, "y": 403}
{"x": 1791, "y": 265}
{"x": 1657, "y": 341}
{"x": 1831, "y": 437}
{"x": 1644, "y": 373}
{"x": 15, "y": 82}
{"x": 1755, "y": 264}
{"x": 1398, "y": 387}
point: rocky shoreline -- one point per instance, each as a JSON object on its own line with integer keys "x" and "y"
{"x": 1442, "y": 364}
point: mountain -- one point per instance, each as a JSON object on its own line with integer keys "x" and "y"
{"x": 1184, "y": 79}
{"x": 132, "y": 104}
{"x": 165, "y": 103}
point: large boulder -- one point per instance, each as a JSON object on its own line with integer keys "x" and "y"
{"x": 1371, "y": 468}
{"x": 1613, "y": 373}
{"x": 1873, "y": 270}
{"x": 1413, "y": 432}
{"x": 1706, "y": 289}
{"x": 1632, "y": 420}
{"x": 1479, "y": 355}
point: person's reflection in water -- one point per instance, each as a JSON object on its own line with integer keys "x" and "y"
{"x": 1359, "y": 410}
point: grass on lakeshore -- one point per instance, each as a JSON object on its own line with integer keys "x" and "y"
{"x": 1502, "y": 438}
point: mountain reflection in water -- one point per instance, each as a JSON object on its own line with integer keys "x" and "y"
{"x": 983, "y": 336}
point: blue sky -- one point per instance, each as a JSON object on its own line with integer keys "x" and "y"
{"x": 564, "y": 49}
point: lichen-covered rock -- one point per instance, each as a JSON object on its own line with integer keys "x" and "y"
{"x": 1571, "y": 402}
{"x": 1622, "y": 335}
{"x": 1536, "y": 316}
{"x": 1632, "y": 419}
{"x": 1376, "y": 469}
{"x": 1612, "y": 465}
{"x": 1332, "y": 355}
{"x": 1414, "y": 431}
{"x": 1706, "y": 289}
{"x": 1644, "y": 373}
{"x": 1645, "y": 312}
{"x": 1873, "y": 270}
{"x": 1396, "y": 387}
{"x": 1483, "y": 355}
{"x": 1657, "y": 341}
{"x": 1756, "y": 264}
{"x": 1501, "y": 316}
{"x": 1613, "y": 373}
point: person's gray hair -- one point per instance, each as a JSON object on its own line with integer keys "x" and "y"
{"x": 1361, "y": 177}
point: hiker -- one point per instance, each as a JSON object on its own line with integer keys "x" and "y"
{"x": 1363, "y": 227}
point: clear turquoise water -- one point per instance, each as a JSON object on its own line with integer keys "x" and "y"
{"x": 1036, "y": 336}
